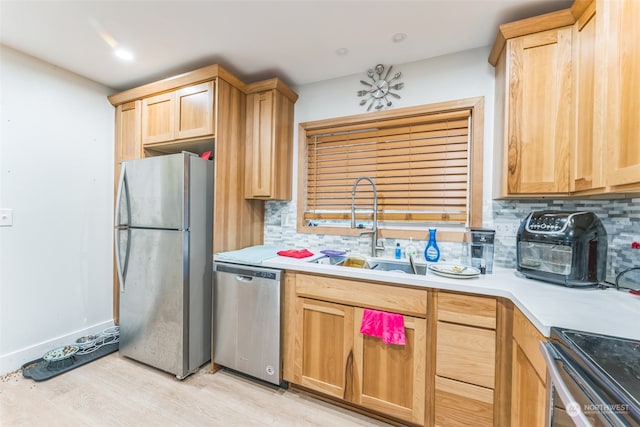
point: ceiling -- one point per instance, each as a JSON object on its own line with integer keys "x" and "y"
{"x": 294, "y": 40}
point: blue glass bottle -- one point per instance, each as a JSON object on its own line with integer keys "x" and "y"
{"x": 432, "y": 251}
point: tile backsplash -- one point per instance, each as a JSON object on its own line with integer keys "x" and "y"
{"x": 621, "y": 219}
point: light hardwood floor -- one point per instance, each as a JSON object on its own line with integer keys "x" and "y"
{"x": 115, "y": 391}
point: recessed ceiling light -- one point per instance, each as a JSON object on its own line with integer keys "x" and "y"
{"x": 342, "y": 51}
{"x": 124, "y": 54}
{"x": 398, "y": 37}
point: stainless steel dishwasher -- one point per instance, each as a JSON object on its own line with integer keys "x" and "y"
{"x": 247, "y": 312}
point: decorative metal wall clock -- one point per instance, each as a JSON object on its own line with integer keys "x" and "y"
{"x": 380, "y": 89}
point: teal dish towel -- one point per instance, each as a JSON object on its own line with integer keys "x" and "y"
{"x": 250, "y": 255}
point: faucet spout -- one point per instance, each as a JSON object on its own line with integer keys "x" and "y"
{"x": 374, "y": 226}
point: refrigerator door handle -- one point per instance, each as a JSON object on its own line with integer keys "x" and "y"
{"x": 123, "y": 191}
{"x": 122, "y": 266}
{"x": 119, "y": 196}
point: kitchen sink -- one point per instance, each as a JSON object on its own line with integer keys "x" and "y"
{"x": 396, "y": 266}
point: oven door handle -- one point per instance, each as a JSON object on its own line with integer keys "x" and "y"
{"x": 573, "y": 408}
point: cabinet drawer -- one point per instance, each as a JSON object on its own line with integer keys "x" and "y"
{"x": 460, "y": 405}
{"x": 363, "y": 294}
{"x": 466, "y": 354}
{"x": 467, "y": 310}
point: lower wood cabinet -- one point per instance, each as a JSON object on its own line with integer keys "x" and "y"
{"x": 454, "y": 370}
{"x": 469, "y": 366}
{"x": 528, "y": 381}
{"x": 332, "y": 357}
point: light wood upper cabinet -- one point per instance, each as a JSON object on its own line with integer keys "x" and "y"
{"x": 269, "y": 146}
{"x": 622, "y": 100}
{"x": 537, "y": 98}
{"x": 127, "y": 143}
{"x": 567, "y": 90}
{"x": 180, "y": 114}
{"x": 587, "y": 139}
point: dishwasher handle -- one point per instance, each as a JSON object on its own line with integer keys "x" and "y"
{"x": 246, "y": 273}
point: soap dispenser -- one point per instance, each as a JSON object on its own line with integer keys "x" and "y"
{"x": 432, "y": 251}
{"x": 410, "y": 251}
{"x": 398, "y": 251}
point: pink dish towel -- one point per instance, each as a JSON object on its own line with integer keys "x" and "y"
{"x": 387, "y": 326}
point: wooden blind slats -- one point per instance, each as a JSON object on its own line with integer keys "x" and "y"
{"x": 419, "y": 165}
{"x": 390, "y": 123}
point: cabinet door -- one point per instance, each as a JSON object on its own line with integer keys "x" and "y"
{"x": 127, "y": 142}
{"x": 458, "y": 404}
{"x": 269, "y": 146}
{"x": 324, "y": 347}
{"x": 623, "y": 92}
{"x": 586, "y": 170}
{"x": 194, "y": 116}
{"x": 391, "y": 378}
{"x": 539, "y": 112}
{"x": 260, "y": 143}
{"x": 158, "y": 122}
{"x": 528, "y": 393}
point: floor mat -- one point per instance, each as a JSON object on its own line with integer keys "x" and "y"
{"x": 40, "y": 370}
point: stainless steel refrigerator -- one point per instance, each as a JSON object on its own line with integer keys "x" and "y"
{"x": 163, "y": 241}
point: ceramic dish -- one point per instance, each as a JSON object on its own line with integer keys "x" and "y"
{"x": 60, "y": 353}
{"x": 454, "y": 271}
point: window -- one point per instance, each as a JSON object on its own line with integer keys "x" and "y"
{"x": 426, "y": 163}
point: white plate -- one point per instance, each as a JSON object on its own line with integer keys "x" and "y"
{"x": 454, "y": 271}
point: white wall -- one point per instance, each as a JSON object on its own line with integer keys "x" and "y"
{"x": 56, "y": 173}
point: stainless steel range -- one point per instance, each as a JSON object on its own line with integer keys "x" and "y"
{"x": 595, "y": 379}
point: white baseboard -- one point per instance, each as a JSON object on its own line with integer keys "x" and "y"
{"x": 13, "y": 361}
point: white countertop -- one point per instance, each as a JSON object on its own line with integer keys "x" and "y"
{"x": 603, "y": 311}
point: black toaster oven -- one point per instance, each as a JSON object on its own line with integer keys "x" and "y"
{"x": 566, "y": 248}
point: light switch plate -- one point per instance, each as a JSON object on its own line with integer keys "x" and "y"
{"x": 6, "y": 217}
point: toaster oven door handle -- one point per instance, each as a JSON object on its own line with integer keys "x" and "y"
{"x": 577, "y": 416}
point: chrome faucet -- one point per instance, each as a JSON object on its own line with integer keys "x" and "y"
{"x": 374, "y": 228}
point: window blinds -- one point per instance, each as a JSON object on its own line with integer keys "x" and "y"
{"x": 419, "y": 165}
